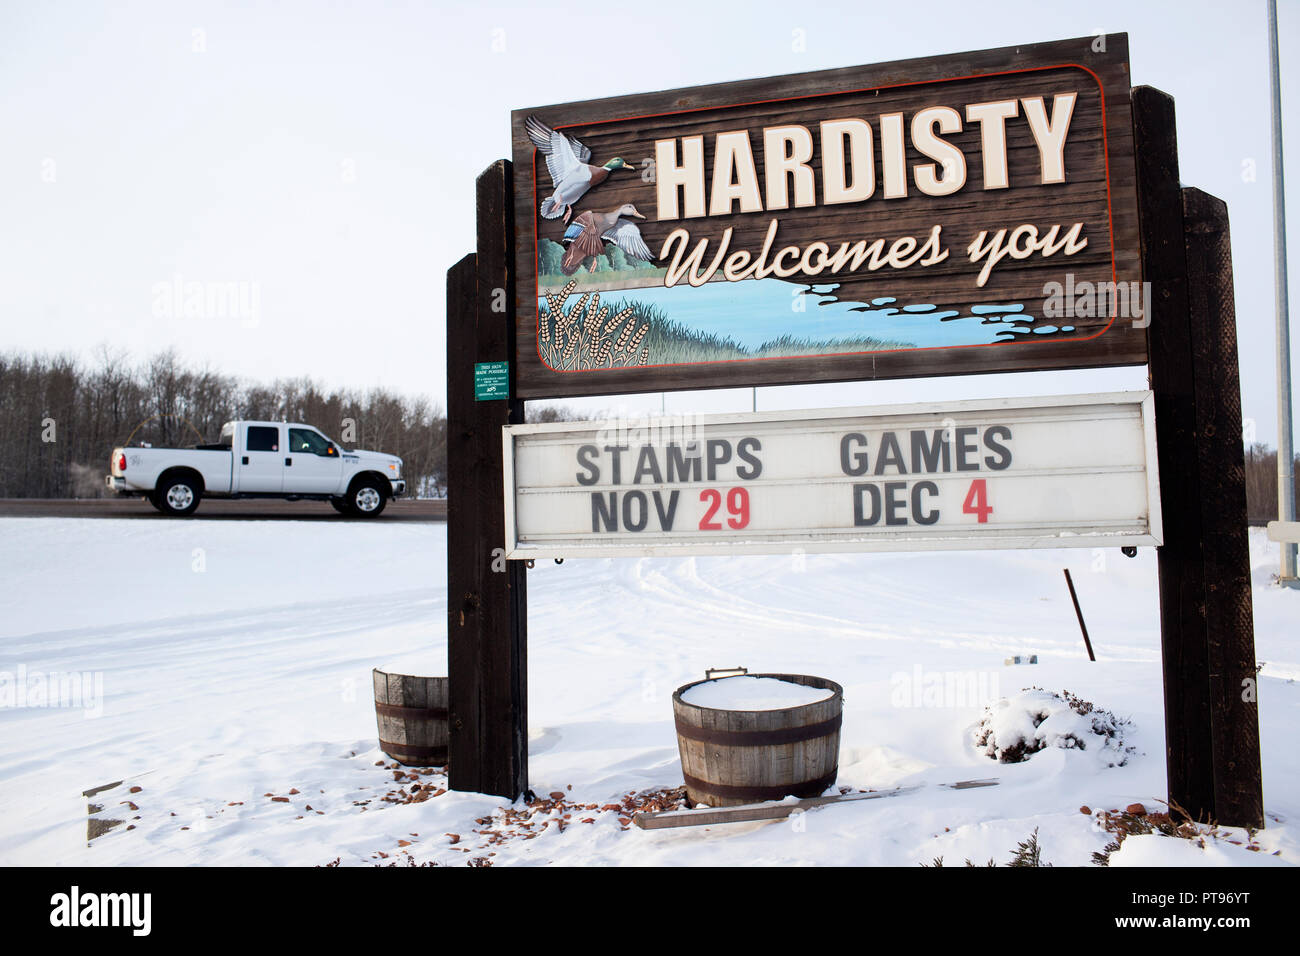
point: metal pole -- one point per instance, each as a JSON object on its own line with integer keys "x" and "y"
{"x": 1285, "y": 453}
{"x": 1078, "y": 612}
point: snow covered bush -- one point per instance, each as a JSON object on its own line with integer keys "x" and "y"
{"x": 1013, "y": 728}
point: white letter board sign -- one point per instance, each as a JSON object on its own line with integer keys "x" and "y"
{"x": 1051, "y": 472}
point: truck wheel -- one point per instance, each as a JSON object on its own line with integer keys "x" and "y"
{"x": 177, "y": 497}
{"x": 367, "y": 499}
{"x": 340, "y": 505}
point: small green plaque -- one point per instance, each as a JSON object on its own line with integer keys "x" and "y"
{"x": 491, "y": 380}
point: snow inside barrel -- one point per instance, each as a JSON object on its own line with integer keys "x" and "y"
{"x": 412, "y": 716}
{"x": 753, "y": 737}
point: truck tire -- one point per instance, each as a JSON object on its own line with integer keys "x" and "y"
{"x": 367, "y": 498}
{"x": 177, "y": 496}
{"x": 341, "y": 505}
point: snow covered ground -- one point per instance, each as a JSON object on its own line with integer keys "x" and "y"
{"x": 232, "y": 663}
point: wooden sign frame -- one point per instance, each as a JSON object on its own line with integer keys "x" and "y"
{"x": 1207, "y": 639}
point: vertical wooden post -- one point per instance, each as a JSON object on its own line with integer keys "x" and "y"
{"x": 1207, "y": 737}
{"x": 1229, "y": 613}
{"x": 487, "y": 601}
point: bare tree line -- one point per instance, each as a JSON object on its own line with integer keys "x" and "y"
{"x": 60, "y": 419}
{"x": 1261, "y": 483}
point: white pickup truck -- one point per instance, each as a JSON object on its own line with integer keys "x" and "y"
{"x": 258, "y": 460}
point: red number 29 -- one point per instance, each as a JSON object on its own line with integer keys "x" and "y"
{"x": 737, "y": 508}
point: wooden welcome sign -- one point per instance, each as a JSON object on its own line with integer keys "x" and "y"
{"x": 970, "y": 213}
{"x": 1006, "y": 210}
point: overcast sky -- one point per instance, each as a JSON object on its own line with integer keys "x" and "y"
{"x": 324, "y": 154}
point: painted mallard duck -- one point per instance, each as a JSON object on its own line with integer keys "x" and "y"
{"x": 587, "y": 234}
{"x": 567, "y": 162}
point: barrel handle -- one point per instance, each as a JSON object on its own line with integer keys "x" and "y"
{"x": 730, "y": 671}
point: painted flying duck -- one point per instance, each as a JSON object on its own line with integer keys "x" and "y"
{"x": 589, "y": 230}
{"x": 567, "y": 162}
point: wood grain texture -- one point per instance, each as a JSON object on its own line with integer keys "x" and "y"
{"x": 1229, "y": 621}
{"x": 487, "y": 620}
{"x": 800, "y": 768}
{"x": 1180, "y": 560}
{"x": 412, "y": 739}
{"x": 1206, "y": 627}
{"x": 464, "y": 551}
{"x": 1100, "y": 192}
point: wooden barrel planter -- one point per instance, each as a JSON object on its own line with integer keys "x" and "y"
{"x": 733, "y": 757}
{"x": 412, "y": 717}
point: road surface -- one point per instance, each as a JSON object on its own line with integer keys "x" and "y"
{"x": 252, "y": 509}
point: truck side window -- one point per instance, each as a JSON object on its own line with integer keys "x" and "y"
{"x": 263, "y": 438}
{"x": 304, "y": 441}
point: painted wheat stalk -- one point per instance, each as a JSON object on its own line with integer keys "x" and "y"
{"x": 586, "y": 336}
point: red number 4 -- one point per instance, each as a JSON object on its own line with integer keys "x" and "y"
{"x": 977, "y": 501}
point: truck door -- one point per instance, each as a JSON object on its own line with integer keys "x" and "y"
{"x": 313, "y": 466}
{"x": 261, "y": 458}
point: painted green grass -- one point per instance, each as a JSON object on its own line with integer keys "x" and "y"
{"x": 608, "y": 276}
{"x": 671, "y": 343}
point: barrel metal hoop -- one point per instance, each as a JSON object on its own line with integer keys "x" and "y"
{"x": 411, "y": 750}
{"x": 410, "y": 713}
{"x": 802, "y": 788}
{"x": 760, "y": 738}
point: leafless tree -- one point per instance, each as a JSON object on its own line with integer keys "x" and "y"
{"x": 59, "y": 420}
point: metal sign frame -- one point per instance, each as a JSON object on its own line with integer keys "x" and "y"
{"x": 814, "y": 541}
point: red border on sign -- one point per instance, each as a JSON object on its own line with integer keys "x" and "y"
{"x": 1110, "y": 219}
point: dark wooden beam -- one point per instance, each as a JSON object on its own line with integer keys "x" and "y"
{"x": 1202, "y": 565}
{"x": 1230, "y": 628}
{"x": 1183, "y": 641}
{"x": 487, "y": 610}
